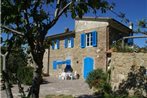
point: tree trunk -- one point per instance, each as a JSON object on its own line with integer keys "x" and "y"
{"x": 37, "y": 78}
{"x": 7, "y": 85}
{"x": 6, "y": 76}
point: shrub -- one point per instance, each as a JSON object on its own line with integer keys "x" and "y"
{"x": 97, "y": 79}
{"x": 25, "y": 75}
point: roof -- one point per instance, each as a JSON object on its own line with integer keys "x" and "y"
{"x": 61, "y": 35}
{"x": 114, "y": 23}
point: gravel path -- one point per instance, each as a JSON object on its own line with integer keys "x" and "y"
{"x": 57, "y": 87}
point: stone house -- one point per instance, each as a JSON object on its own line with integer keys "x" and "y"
{"x": 85, "y": 48}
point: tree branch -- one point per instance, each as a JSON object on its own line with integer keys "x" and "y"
{"x": 145, "y": 33}
{"x": 57, "y": 8}
{"x": 53, "y": 22}
{"x": 26, "y": 17}
{"x": 35, "y": 8}
{"x": 13, "y": 31}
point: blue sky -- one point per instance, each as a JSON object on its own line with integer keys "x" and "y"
{"x": 134, "y": 9}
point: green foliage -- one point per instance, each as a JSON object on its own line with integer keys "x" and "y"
{"x": 16, "y": 60}
{"x": 17, "y": 64}
{"x": 142, "y": 23}
{"x": 136, "y": 81}
{"x": 36, "y": 15}
{"x": 117, "y": 47}
{"x": 97, "y": 79}
{"x": 25, "y": 75}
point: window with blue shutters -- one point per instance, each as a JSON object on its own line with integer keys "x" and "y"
{"x": 69, "y": 42}
{"x": 55, "y": 44}
{"x": 89, "y": 39}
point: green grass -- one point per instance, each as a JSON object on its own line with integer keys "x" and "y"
{"x": 59, "y": 96}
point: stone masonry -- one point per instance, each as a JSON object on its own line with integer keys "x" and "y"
{"x": 121, "y": 64}
{"x": 103, "y": 27}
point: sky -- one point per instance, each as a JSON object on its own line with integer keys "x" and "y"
{"x": 134, "y": 10}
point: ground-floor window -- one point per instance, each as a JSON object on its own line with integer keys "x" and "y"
{"x": 63, "y": 65}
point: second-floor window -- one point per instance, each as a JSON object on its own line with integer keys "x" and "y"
{"x": 55, "y": 44}
{"x": 69, "y": 42}
{"x": 89, "y": 39}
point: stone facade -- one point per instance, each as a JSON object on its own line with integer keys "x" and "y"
{"x": 121, "y": 64}
{"x": 103, "y": 27}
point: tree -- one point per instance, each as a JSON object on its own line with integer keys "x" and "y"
{"x": 11, "y": 44}
{"x": 16, "y": 64}
{"x": 136, "y": 81}
{"x": 16, "y": 59}
{"x": 31, "y": 19}
{"x": 5, "y": 56}
{"x": 142, "y": 26}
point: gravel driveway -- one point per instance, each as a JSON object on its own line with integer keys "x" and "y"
{"x": 57, "y": 87}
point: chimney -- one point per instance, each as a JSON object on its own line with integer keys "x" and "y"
{"x": 131, "y": 25}
{"x": 66, "y": 30}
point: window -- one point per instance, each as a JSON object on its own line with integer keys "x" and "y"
{"x": 55, "y": 44}
{"x": 89, "y": 39}
{"x": 57, "y": 64}
{"x": 69, "y": 42}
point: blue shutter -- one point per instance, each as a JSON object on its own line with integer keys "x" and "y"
{"x": 54, "y": 65}
{"x": 53, "y": 45}
{"x": 83, "y": 40}
{"x": 58, "y": 43}
{"x": 65, "y": 43}
{"x": 72, "y": 42}
{"x": 94, "y": 39}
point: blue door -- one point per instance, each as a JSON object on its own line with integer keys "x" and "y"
{"x": 88, "y": 66}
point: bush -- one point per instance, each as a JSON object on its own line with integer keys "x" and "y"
{"x": 25, "y": 75}
{"x": 97, "y": 79}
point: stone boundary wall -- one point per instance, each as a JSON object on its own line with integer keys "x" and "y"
{"x": 121, "y": 64}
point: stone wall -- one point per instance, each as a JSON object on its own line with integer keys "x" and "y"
{"x": 81, "y": 25}
{"x": 77, "y": 54}
{"x": 121, "y": 64}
